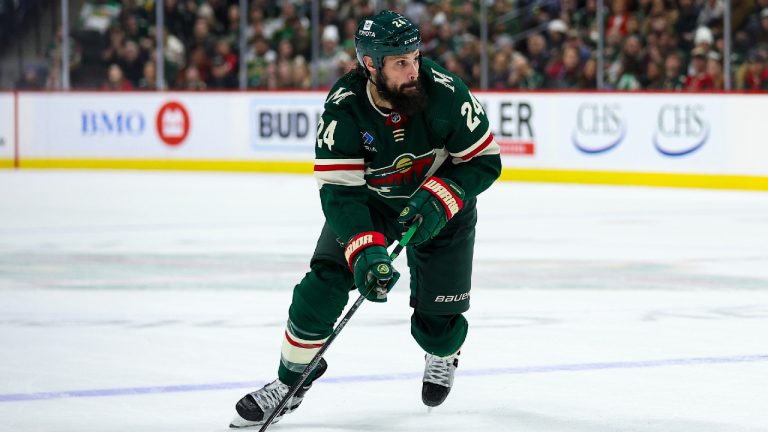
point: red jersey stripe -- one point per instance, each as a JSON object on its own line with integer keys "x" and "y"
{"x": 479, "y": 148}
{"x": 340, "y": 167}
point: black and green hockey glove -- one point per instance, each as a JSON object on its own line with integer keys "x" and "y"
{"x": 368, "y": 259}
{"x": 436, "y": 202}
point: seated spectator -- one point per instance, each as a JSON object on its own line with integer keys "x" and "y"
{"x": 500, "y": 70}
{"x": 300, "y": 75}
{"x": 149, "y": 79}
{"x": 201, "y": 37}
{"x": 618, "y": 18}
{"x": 631, "y": 54}
{"x": 191, "y": 80}
{"x": 115, "y": 45}
{"x": 630, "y": 75}
{"x": 537, "y": 53}
{"x": 333, "y": 61}
{"x": 131, "y": 62}
{"x": 257, "y": 59}
{"x": 756, "y": 74}
{"x": 556, "y": 31}
{"x": 198, "y": 60}
{"x": 565, "y": 73}
{"x": 703, "y": 39}
{"x": 224, "y": 71}
{"x": 115, "y": 79}
{"x": 698, "y": 79}
{"x": 654, "y": 77}
{"x": 588, "y": 79}
{"x": 674, "y": 79}
{"x": 523, "y": 76}
{"x": 715, "y": 70}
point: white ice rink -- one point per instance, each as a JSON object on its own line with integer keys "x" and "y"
{"x": 139, "y": 301}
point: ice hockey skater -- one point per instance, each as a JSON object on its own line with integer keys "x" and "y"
{"x": 401, "y": 142}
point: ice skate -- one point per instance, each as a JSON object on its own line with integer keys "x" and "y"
{"x": 438, "y": 378}
{"x": 254, "y": 408}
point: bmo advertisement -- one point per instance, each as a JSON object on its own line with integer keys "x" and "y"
{"x": 127, "y": 126}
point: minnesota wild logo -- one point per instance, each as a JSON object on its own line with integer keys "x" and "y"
{"x": 402, "y": 177}
{"x": 382, "y": 269}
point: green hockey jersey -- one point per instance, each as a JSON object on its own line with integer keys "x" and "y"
{"x": 368, "y": 159}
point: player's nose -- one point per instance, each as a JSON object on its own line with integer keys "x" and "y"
{"x": 413, "y": 73}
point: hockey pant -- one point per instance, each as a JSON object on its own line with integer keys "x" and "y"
{"x": 440, "y": 271}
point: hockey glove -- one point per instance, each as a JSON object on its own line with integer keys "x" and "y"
{"x": 368, "y": 259}
{"x": 436, "y": 202}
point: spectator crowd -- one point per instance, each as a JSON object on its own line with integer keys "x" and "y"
{"x": 532, "y": 44}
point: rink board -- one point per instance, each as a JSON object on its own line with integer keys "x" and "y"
{"x": 7, "y": 131}
{"x": 697, "y": 140}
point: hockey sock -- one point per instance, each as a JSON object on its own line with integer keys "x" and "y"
{"x": 295, "y": 355}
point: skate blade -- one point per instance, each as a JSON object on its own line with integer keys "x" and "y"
{"x": 429, "y": 410}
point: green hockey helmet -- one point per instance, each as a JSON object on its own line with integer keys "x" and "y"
{"x": 385, "y": 34}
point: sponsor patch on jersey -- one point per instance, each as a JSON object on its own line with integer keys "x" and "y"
{"x": 367, "y": 138}
{"x": 402, "y": 177}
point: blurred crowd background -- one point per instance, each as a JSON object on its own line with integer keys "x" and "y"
{"x": 673, "y": 45}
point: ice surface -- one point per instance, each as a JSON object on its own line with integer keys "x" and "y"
{"x": 141, "y": 301}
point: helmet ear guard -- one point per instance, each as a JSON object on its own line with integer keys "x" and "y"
{"x": 385, "y": 34}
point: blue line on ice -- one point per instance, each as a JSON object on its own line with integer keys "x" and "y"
{"x": 184, "y": 388}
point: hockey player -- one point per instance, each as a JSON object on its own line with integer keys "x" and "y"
{"x": 401, "y": 141}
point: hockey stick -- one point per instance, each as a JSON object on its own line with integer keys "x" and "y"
{"x": 316, "y": 359}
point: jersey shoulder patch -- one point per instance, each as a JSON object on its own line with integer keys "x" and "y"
{"x": 346, "y": 93}
{"x": 440, "y": 80}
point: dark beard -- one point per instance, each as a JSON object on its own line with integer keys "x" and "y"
{"x": 408, "y": 104}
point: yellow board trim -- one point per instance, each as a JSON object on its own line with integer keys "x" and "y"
{"x": 708, "y": 181}
{"x": 173, "y": 164}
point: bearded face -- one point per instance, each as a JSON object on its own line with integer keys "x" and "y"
{"x": 406, "y": 98}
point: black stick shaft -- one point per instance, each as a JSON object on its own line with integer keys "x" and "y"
{"x": 339, "y": 327}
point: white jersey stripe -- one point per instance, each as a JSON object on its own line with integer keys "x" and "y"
{"x": 339, "y": 161}
{"x": 471, "y": 148}
{"x": 487, "y": 145}
{"x": 340, "y": 177}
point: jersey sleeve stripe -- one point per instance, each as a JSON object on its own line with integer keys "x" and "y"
{"x": 341, "y": 177}
{"x": 340, "y": 167}
{"x": 336, "y": 164}
{"x": 479, "y": 148}
{"x": 474, "y": 146}
{"x": 485, "y": 146}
